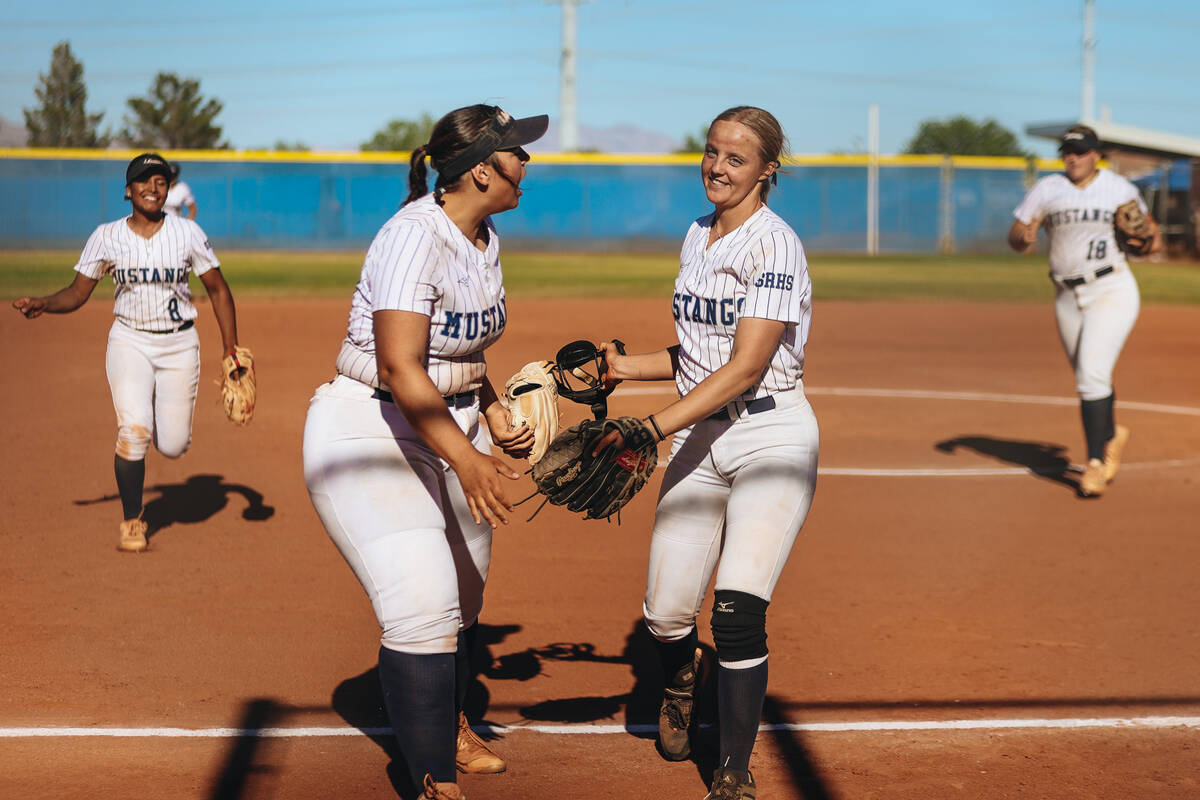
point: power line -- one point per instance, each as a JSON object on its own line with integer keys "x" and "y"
{"x": 244, "y": 15}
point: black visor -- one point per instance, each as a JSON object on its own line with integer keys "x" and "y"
{"x": 503, "y": 133}
{"x": 145, "y": 165}
{"x": 1078, "y": 143}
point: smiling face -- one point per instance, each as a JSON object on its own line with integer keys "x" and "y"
{"x": 148, "y": 195}
{"x": 733, "y": 168}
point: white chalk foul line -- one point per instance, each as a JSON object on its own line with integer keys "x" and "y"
{"x": 990, "y": 397}
{"x": 866, "y": 726}
{"x": 924, "y": 394}
{"x": 991, "y": 471}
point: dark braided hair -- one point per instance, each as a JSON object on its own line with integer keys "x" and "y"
{"x": 452, "y": 134}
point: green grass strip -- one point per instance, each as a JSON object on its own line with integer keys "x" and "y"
{"x": 635, "y": 274}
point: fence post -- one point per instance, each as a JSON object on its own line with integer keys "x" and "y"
{"x": 946, "y": 207}
{"x": 873, "y": 179}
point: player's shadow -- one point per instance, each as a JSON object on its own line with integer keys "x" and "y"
{"x": 806, "y": 777}
{"x": 1045, "y": 460}
{"x": 197, "y": 499}
{"x": 640, "y": 703}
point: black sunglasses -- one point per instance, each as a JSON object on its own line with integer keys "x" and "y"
{"x": 519, "y": 152}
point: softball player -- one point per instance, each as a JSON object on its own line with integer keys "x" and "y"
{"x": 743, "y": 464}
{"x": 180, "y": 195}
{"x": 153, "y": 358}
{"x": 396, "y": 448}
{"x": 1096, "y": 297}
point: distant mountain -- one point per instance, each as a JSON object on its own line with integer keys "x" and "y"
{"x": 622, "y": 138}
{"x": 12, "y": 135}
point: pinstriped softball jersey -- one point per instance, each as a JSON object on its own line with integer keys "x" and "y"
{"x": 178, "y": 196}
{"x": 1079, "y": 221}
{"x": 757, "y": 270}
{"x": 421, "y": 262}
{"x": 738, "y": 488}
{"x": 151, "y": 275}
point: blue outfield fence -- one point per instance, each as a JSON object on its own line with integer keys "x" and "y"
{"x": 931, "y": 204}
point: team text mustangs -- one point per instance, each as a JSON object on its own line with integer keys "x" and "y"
{"x": 723, "y": 311}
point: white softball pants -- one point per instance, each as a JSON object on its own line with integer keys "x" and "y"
{"x": 734, "y": 491}
{"x": 153, "y": 378}
{"x": 398, "y": 515}
{"x": 1094, "y": 320}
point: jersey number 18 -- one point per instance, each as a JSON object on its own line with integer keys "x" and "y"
{"x": 1097, "y": 248}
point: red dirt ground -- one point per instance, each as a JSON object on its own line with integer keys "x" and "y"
{"x": 908, "y": 598}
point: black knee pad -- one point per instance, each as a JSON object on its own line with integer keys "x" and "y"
{"x": 739, "y": 625}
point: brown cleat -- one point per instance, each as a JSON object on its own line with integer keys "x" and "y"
{"x": 675, "y": 713}
{"x": 1093, "y": 483}
{"x": 732, "y": 784}
{"x": 441, "y": 791}
{"x": 473, "y": 757}
{"x": 1112, "y": 451}
{"x": 133, "y": 536}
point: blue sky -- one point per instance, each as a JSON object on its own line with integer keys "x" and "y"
{"x": 330, "y": 76}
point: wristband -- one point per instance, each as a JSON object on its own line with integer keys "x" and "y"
{"x": 657, "y": 429}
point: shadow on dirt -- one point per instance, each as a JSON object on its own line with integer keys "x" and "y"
{"x": 1043, "y": 459}
{"x": 199, "y": 498}
{"x": 359, "y": 700}
{"x": 244, "y": 760}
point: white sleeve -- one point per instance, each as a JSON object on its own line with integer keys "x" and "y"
{"x": 199, "y": 250}
{"x": 95, "y": 261}
{"x": 400, "y": 269}
{"x": 1031, "y": 206}
{"x": 1133, "y": 193}
{"x": 776, "y": 274}
{"x": 186, "y": 195}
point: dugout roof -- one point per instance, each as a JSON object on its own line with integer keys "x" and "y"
{"x": 1127, "y": 137}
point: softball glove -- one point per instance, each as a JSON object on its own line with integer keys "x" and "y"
{"x": 237, "y": 382}
{"x": 568, "y": 475}
{"x": 532, "y": 399}
{"x": 1132, "y": 229}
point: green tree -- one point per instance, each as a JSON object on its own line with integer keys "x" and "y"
{"x": 297, "y": 146}
{"x": 173, "y": 115}
{"x": 694, "y": 143}
{"x": 401, "y": 134}
{"x": 61, "y": 119}
{"x": 963, "y": 136}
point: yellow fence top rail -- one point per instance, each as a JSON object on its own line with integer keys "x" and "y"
{"x": 649, "y": 159}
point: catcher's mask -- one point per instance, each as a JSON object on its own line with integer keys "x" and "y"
{"x": 575, "y": 381}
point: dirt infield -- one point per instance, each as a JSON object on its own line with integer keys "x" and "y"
{"x": 954, "y": 621}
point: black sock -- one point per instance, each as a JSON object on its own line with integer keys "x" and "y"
{"x": 740, "y": 694}
{"x": 1097, "y": 424}
{"x": 418, "y": 691}
{"x": 463, "y": 674}
{"x": 131, "y": 477}
{"x": 676, "y": 656}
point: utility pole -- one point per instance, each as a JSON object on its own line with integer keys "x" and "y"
{"x": 1087, "y": 91}
{"x": 873, "y": 179}
{"x": 568, "y": 123}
